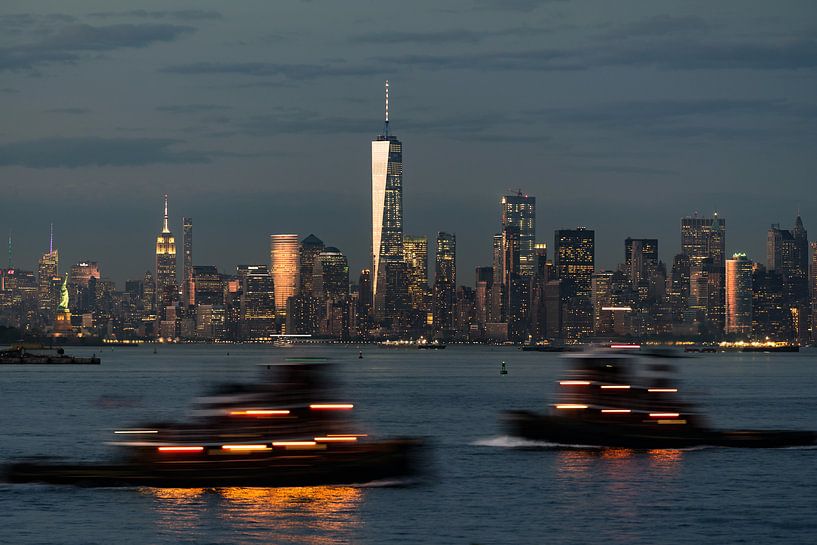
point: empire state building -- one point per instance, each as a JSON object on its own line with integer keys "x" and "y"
{"x": 166, "y": 289}
{"x": 389, "y": 286}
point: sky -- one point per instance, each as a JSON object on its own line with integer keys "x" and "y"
{"x": 256, "y": 117}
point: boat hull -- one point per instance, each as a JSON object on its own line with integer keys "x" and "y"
{"x": 357, "y": 465}
{"x": 576, "y": 431}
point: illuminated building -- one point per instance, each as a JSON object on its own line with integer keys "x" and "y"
{"x": 813, "y": 291}
{"x": 787, "y": 255}
{"x": 574, "y": 262}
{"x": 705, "y": 239}
{"x": 389, "y": 282}
{"x": 482, "y": 294}
{"x": 47, "y": 271}
{"x": 465, "y": 314}
{"x": 258, "y": 301}
{"x": 602, "y": 297}
{"x": 520, "y": 211}
{"x": 739, "y": 295}
{"x": 310, "y": 248}
{"x": 640, "y": 258}
{"x": 188, "y": 295}
{"x": 208, "y": 285}
{"x": 771, "y": 317}
{"x": 515, "y": 286}
{"x": 149, "y": 294}
{"x": 445, "y": 282}
{"x": 330, "y": 277}
{"x": 364, "y": 302}
{"x": 166, "y": 290}
{"x": 81, "y": 273}
{"x": 284, "y": 256}
{"x": 415, "y": 254}
{"x": 497, "y": 308}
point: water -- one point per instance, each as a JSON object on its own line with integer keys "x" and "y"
{"x": 483, "y": 488}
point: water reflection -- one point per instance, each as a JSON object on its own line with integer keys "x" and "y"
{"x": 304, "y": 515}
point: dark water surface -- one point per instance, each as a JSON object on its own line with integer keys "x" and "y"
{"x": 481, "y": 489}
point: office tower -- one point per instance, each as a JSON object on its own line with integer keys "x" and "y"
{"x": 771, "y": 317}
{"x": 602, "y": 298}
{"x": 739, "y": 295}
{"x": 465, "y": 327}
{"x": 310, "y": 248}
{"x": 208, "y": 286}
{"x": 813, "y": 291}
{"x": 47, "y": 270}
{"x": 284, "y": 257}
{"x": 82, "y": 298}
{"x": 515, "y": 286}
{"x": 389, "y": 282}
{"x": 497, "y": 308}
{"x": 188, "y": 293}
{"x": 364, "y": 302}
{"x": 415, "y": 254}
{"x": 520, "y": 211}
{"x": 482, "y": 294}
{"x": 640, "y": 258}
{"x": 149, "y": 294}
{"x": 445, "y": 282}
{"x": 166, "y": 291}
{"x": 787, "y": 255}
{"x": 330, "y": 276}
{"x": 574, "y": 261}
{"x": 705, "y": 239}
{"x": 258, "y": 301}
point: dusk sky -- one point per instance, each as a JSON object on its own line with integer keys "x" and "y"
{"x": 256, "y": 117}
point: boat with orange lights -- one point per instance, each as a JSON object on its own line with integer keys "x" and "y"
{"x": 287, "y": 431}
{"x": 628, "y": 400}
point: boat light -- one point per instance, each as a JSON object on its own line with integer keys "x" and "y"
{"x": 664, "y": 415}
{"x": 625, "y": 346}
{"x": 331, "y": 406}
{"x": 181, "y": 449}
{"x": 662, "y": 390}
{"x": 347, "y": 435}
{"x": 615, "y": 387}
{"x": 260, "y": 412}
{"x": 616, "y": 411}
{"x": 574, "y": 382}
{"x": 672, "y": 421}
{"x": 123, "y": 432}
{"x": 293, "y": 443}
{"x": 571, "y": 406}
{"x": 245, "y": 447}
{"x": 337, "y": 439}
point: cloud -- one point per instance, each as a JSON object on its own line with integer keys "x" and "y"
{"x": 192, "y": 108}
{"x": 66, "y": 43}
{"x": 74, "y": 111}
{"x": 181, "y": 15}
{"x": 514, "y": 5}
{"x": 450, "y": 36}
{"x": 96, "y": 151}
{"x": 265, "y": 69}
{"x": 661, "y": 25}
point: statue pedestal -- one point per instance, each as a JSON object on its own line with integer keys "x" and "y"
{"x": 62, "y": 324}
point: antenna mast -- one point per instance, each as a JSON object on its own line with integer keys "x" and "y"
{"x": 51, "y": 240}
{"x": 165, "y": 228}
{"x": 386, "y": 127}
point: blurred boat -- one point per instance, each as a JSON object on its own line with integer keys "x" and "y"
{"x": 628, "y": 400}
{"x": 287, "y": 430}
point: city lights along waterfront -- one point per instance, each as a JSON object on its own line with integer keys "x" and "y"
{"x": 527, "y": 292}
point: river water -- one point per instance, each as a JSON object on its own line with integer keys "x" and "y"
{"x": 480, "y": 486}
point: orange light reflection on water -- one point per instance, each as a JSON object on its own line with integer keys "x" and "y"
{"x": 314, "y": 515}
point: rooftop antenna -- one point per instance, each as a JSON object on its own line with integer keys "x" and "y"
{"x": 11, "y": 266}
{"x": 386, "y": 126}
{"x": 51, "y": 240}
{"x": 164, "y": 226}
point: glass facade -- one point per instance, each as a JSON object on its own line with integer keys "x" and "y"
{"x": 284, "y": 259}
{"x": 520, "y": 211}
{"x": 739, "y": 295}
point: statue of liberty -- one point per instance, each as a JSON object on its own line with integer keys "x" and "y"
{"x": 64, "y": 295}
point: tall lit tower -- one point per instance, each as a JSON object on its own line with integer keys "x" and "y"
{"x": 520, "y": 211}
{"x": 389, "y": 289}
{"x": 284, "y": 258}
{"x": 165, "y": 267}
{"x": 739, "y": 295}
{"x": 47, "y": 272}
{"x": 188, "y": 293}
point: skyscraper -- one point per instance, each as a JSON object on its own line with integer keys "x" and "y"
{"x": 389, "y": 285}
{"x": 284, "y": 260}
{"x": 640, "y": 258}
{"x": 258, "y": 301}
{"x": 415, "y": 254}
{"x": 445, "y": 282}
{"x": 188, "y": 291}
{"x": 330, "y": 276}
{"x": 208, "y": 285}
{"x": 311, "y": 247}
{"x": 47, "y": 271}
{"x": 787, "y": 256}
{"x": 574, "y": 262}
{"x": 520, "y": 211}
{"x": 704, "y": 241}
{"x": 165, "y": 267}
{"x": 739, "y": 295}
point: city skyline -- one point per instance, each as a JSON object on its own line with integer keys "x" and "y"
{"x": 615, "y": 118}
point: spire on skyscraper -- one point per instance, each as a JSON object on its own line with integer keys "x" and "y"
{"x": 51, "y": 241}
{"x": 386, "y": 126}
{"x": 11, "y": 263}
{"x": 165, "y": 228}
